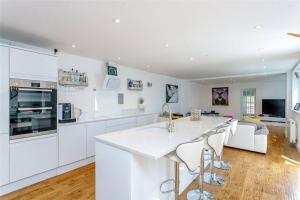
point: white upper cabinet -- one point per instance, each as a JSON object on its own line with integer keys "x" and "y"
{"x": 31, "y": 65}
{"x": 72, "y": 144}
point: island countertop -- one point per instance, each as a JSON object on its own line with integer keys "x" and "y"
{"x": 154, "y": 141}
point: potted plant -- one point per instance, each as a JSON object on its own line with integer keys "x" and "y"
{"x": 141, "y": 105}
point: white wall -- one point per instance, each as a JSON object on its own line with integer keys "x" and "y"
{"x": 264, "y": 90}
{"x": 105, "y": 102}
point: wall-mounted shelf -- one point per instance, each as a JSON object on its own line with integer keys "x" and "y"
{"x": 72, "y": 78}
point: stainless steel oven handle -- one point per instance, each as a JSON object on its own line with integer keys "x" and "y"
{"x": 34, "y": 89}
{"x": 40, "y": 108}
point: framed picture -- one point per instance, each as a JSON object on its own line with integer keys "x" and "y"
{"x": 297, "y": 107}
{"x": 220, "y": 96}
{"x": 111, "y": 70}
{"x": 171, "y": 93}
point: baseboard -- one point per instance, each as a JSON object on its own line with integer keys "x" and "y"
{"x": 14, "y": 186}
{"x": 75, "y": 165}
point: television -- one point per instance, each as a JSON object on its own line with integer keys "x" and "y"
{"x": 273, "y": 107}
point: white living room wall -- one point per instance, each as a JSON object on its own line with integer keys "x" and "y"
{"x": 95, "y": 99}
{"x": 266, "y": 89}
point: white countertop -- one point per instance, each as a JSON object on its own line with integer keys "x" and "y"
{"x": 103, "y": 118}
{"x": 154, "y": 141}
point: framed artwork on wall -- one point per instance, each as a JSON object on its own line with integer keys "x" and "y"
{"x": 220, "y": 96}
{"x": 171, "y": 93}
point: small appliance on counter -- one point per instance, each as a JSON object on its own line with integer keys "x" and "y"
{"x": 66, "y": 113}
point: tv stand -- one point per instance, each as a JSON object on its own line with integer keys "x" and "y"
{"x": 273, "y": 121}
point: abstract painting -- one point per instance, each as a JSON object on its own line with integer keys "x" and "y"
{"x": 220, "y": 96}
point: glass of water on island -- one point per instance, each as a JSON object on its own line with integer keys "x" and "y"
{"x": 196, "y": 115}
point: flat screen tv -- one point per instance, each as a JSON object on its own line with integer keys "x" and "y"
{"x": 273, "y": 107}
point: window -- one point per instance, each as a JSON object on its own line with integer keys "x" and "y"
{"x": 248, "y": 101}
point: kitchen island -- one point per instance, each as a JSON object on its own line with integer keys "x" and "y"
{"x": 131, "y": 164}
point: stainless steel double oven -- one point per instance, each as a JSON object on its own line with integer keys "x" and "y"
{"x": 33, "y": 108}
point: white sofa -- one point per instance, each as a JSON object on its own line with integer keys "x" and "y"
{"x": 248, "y": 137}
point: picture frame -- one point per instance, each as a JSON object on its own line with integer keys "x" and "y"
{"x": 171, "y": 93}
{"x": 220, "y": 96}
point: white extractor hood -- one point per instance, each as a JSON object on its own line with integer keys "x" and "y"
{"x": 111, "y": 82}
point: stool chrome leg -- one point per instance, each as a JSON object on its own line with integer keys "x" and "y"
{"x": 200, "y": 194}
{"x": 220, "y": 164}
{"x": 211, "y": 177}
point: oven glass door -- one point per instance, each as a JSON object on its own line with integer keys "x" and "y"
{"x": 32, "y": 112}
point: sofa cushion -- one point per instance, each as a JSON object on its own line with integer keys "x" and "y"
{"x": 262, "y": 131}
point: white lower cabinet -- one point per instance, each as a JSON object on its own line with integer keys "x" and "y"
{"x": 28, "y": 158}
{"x": 145, "y": 120}
{"x": 72, "y": 144}
{"x": 120, "y": 124}
{"x": 92, "y": 130}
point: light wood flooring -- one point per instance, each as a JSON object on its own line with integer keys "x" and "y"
{"x": 253, "y": 176}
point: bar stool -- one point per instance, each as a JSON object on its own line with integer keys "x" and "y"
{"x": 191, "y": 154}
{"x": 220, "y": 164}
{"x": 215, "y": 143}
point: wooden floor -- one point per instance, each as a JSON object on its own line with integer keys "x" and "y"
{"x": 253, "y": 176}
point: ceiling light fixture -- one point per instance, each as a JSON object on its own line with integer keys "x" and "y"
{"x": 147, "y": 66}
{"x": 117, "y": 20}
{"x": 119, "y": 58}
{"x": 265, "y": 67}
{"x": 167, "y": 45}
{"x": 260, "y": 49}
{"x": 257, "y": 27}
{"x": 73, "y": 46}
{"x": 262, "y": 60}
{"x": 192, "y": 58}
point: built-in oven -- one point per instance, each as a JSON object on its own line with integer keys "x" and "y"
{"x": 33, "y": 108}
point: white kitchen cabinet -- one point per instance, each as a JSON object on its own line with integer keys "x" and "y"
{"x": 72, "y": 143}
{"x": 31, "y": 65}
{"x": 4, "y": 115}
{"x": 145, "y": 120}
{"x": 31, "y": 157}
{"x": 120, "y": 124}
{"x": 92, "y": 130}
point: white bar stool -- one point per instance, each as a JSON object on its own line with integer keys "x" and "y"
{"x": 220, "y": 164}
{"x": 191, "y": 154}
{"x": 215, "y": 144}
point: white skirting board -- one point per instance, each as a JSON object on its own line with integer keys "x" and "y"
{"x": 11, "y": 187}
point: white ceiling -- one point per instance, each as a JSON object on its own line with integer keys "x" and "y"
{"x": 243, "y": 79}
{"x": 219, "y": 35}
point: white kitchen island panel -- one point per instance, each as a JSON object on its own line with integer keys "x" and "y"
{"x": 131, "y": 164}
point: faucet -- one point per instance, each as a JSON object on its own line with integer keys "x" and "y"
{"x": 170, "y": 124}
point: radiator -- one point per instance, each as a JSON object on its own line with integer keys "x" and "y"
{"x": 292, "y": 131}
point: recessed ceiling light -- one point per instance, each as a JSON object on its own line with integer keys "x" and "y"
{"x": 260, "y": 49}
{"x": 117, "y": 20}
{"x": 119, "y": 58}
{"x": 166, "y": 45}
{"x": 147, "y": 66}
{"x": 262, "y": 60}
{"x": 257, "y": 27}
{"x": 73, "y": 46}
{"x": 192, "y": 58}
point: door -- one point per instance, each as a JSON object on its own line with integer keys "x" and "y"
{"x": 92, "y": 130}
{"x": 32, "y": 65}
{"x": 72, "y": 143}
{"x": 4, "y": 116}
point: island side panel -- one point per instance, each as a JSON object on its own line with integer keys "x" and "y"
{"x": 148, "y": 174}
{"x": 113, "y": 177}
